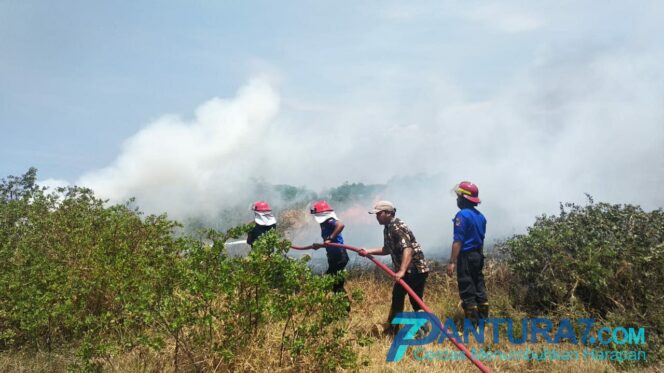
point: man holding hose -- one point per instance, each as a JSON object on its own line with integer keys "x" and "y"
{"x": 407, "y": 257}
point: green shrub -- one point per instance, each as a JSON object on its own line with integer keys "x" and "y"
{"x": 605, "y": 260}
{"x": 107, "y": 280}
{"x": 69, "y": 264}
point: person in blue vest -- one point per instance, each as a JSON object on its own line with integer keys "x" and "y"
{"x": 468, "y": 253}
{"x": 330, "y": 228}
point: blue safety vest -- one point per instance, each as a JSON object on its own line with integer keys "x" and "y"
{"x": 469, "y": 228}
{"x": 326, "y": 229}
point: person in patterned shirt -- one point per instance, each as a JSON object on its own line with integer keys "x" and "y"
{"x": 407, "y": 257}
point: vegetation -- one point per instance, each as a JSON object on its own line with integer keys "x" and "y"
{"x": 106, "y": 281}
{"x": 599, "y": 260}
{"x": 354, "y": 192}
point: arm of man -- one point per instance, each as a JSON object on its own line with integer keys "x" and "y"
{"x": 338, "y": 227}
{"x": 375, "y": 251}
{"x": 405, "y": 263}
{"x": 456, "y": 249}
{"x": 251, "y": 235}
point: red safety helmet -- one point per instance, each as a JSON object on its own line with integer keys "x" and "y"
{"x": 261, "y": 206}
{"x": 469, "y": 191}
{"x": 320, "y": 206}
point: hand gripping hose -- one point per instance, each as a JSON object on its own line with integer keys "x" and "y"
{"x": 412, "y": 294}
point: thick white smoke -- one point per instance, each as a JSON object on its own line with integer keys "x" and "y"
{"x": 193, "y": 168}
{"x": 561, "y": 130}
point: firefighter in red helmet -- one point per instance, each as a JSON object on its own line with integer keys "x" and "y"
{"x": 264, "y": 219}
{"x": 331, "y": 228}
{"x": 468, "y": 253}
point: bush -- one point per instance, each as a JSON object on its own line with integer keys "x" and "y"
{"x": 108, "y": 280}
{"x": 605, "y": 260}
{"x": 72, "y": 268}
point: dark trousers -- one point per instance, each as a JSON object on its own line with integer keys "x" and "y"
{"x": 336, "y": 263}
{"x": 416, "y": 281}
{"x": 470, "y": 278}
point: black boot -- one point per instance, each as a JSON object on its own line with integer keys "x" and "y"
{"x": 424, "y": 330}
{"x": 392, "y": 329}
{"x": 472, "y": 314}
{"x": 483, "y": 310}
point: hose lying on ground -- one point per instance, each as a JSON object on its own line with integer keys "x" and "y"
{"x": 410, "y": 292}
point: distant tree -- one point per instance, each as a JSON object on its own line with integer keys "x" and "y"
{"x": 293, "y": 194}
{"x": 17, "y": 187}
{"x": 355, "y": 191}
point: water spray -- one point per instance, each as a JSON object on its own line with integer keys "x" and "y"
{"x": 235, "y": 243}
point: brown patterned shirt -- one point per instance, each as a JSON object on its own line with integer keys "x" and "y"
{"x": 397, "y": 237}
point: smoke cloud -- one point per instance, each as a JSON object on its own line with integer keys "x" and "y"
{"x": 193, "y": 167}
{"x": 573, "y": 123}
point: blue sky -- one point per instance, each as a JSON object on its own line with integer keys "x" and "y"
{"x": 567, "y": 95}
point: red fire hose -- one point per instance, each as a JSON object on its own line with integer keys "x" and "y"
{"x": 410, "y": 292}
